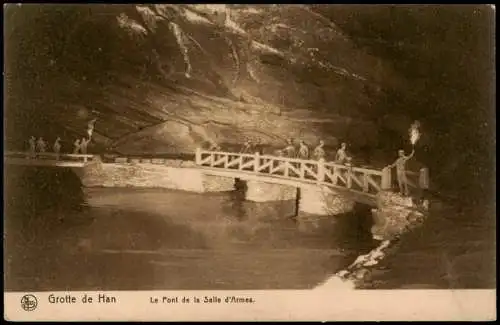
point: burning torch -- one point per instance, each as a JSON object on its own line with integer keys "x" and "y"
{"x": 414, "y": 133}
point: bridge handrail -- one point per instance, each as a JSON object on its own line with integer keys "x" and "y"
{"x": 252, "y": 155}
{"x": 354, "y": 168}
{"x": 228, "y": 153}
{"x": 296, "y": 160}
{"x": 328, "y": 173}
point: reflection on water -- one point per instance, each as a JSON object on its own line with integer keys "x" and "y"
{"x": 127, "y": 239}
{"x": 62, "y": 237}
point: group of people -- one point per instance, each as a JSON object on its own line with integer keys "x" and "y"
{"x": 303, "y": 152}
{"x": 341, "y": 157}
{"x": 40, "y": 146}
{"x": 80, "y": 146}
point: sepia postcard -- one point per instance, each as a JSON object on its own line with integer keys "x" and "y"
{"x": 257, "y": 162}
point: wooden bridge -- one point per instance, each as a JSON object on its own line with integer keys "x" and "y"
{"x": 47, "y": 159}
{"x": 362, "y": 182}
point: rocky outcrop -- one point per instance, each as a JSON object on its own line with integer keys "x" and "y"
{"x": 395, "y": 215}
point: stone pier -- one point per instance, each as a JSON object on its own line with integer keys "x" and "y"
{"x": 323, "y": 201}
{"x": 212, "y": 183}
{"x": 265, "y": 192}
{"x": 150, "y": 175}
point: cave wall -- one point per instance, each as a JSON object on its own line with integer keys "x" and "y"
{"x": 358, "y": 74}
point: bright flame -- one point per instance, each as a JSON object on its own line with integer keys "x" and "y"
{"x": 414, "y": 132}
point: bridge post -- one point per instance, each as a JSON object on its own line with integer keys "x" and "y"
{"x": 256, "y": 162}
{"x": 321, "y": 170}
{"x": 423, "y": 179}
{"x": 365, "y": 182}
{"x": 197, "y": 158}
{"x": 386, "y": 179}
{"x": 349, "y": 177}
{"x": 84, "y": 159}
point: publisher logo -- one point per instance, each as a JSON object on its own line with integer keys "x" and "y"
{"x": 29, "y": 302}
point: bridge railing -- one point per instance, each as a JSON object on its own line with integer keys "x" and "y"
{"x": 49, "y": 155}
{"x": 358, "y": 179}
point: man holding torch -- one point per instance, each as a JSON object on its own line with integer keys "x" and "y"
{"x": 400, "y": 163}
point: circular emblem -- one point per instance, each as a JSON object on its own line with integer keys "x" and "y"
{"x": 29, "y": 302}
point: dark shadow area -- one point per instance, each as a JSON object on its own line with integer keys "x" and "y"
{"x": 32, "y": 190}
{"x": 237, "y": 199}
{"x": 454, "y": 249}
{"x": 113, "y": 250}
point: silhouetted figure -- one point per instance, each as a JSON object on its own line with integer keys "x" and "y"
{"x": 41, "y": 146}
{"x": 400, "y": 165}
{"x": 247, "y": 147}
{"x": 319, "y": 152}
{"x": 289, "y": 149}
{"x": 341, "y": 156}
{"x": 76, "y": 147}
{"x": 83, "y": 145}
{"x": 303, "y": 150}
{"x": 57, "y": 147}
{"x": 279, "y": 153}
{"x": 214, "y": 147}
{"x": 32, "y": 147}
{"x": 90, "y": 127}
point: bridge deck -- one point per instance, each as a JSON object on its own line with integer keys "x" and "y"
{"x": 358, "y": 196}
{"x": 47, "y": 159}
{"x": 43, "y": 162}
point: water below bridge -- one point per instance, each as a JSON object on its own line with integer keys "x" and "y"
{"x": 61, "y": 236}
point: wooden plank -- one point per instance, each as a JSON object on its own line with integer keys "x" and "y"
{"x": 373, "y": 183}
{"x": 310, "y": 171}
{"x": 278, "y": 168}
{"x": 340, "y": 177}
{"x": 249, "y": 163}
{"x": 265, "y": 165}
{"x": 365, "y": 182}
{"x": 292, "y": 168}
{"x": 206, "y": 160}
{"x": 220, "y": 161}
{"x": 234, "y": 162}
{"x": 357, "y": 180}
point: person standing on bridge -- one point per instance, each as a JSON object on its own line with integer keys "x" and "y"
{"x": 57, "y": 147}
{"x": 41, "y": 146}
{"x": 289, "y": 149}
{"x": 400, "y": 165}
{"x": 319, "y": 152}
{"x": 341, "y": 156}
{"x": 303, "y": 150}
{"x": 32, "y": 145}
{"x": 76, "y": 147}
{"x": 83, "y": 145}
{"x": 247, "y": 147}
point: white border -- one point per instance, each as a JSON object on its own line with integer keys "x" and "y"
{"x": 310, "y": 305}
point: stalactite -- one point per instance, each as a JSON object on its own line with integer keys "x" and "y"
{"x": 177, "y": 31}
